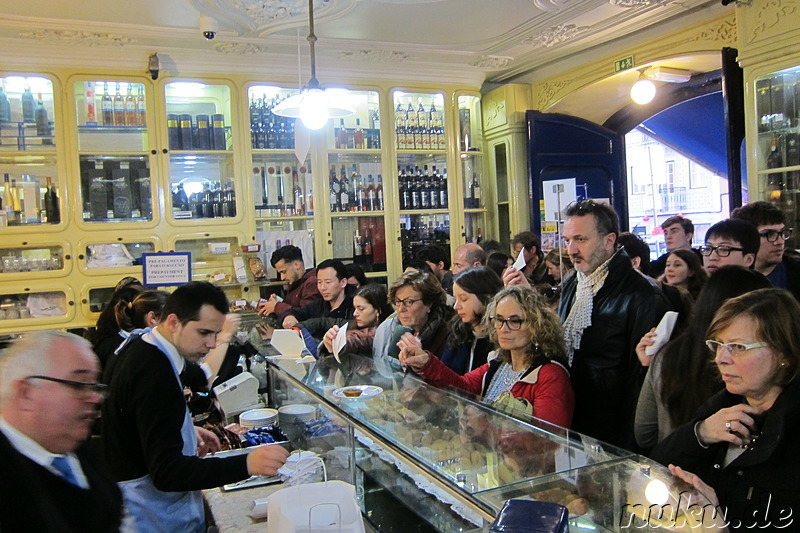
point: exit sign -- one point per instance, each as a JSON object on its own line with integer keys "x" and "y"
{"x": 623, "y": 64}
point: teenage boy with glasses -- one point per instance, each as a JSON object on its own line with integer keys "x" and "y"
{"x": 730, "y": 242}
{"x": 781, "y": 269}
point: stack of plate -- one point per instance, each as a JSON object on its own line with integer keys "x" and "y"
{"x": 258, "y": 418}
{"x": 289, "y": 414}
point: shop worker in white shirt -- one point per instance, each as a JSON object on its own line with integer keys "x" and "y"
{"x": 153, "y": 450}
{"x": 49, "y": 400}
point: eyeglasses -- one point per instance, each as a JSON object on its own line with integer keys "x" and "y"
{"x": 513, "y": 323}
{"x": 408, "y": 302}
{"x": 84, "y": 390}
{"x": 772, "y": 235}
{"x": 723, "y": 250}
{"x": 734, "y": 348}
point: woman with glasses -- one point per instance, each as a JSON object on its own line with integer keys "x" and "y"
{"x": 680, "y": 377}
{"x": 468, "y": 344}
{"x": 528, "y": 371}
{"x": 420, "y": 309}
{"x": 743, "y": 446}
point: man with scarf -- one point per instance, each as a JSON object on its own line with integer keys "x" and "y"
{"x": 606, "y": 306}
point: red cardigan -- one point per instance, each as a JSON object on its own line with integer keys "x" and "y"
{"x": 301, "y": 292}
{"x": 547, "y": 388}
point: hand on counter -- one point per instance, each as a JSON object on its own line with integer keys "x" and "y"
{"x": 207, "y": 442}
{"x": 266, "y": 460}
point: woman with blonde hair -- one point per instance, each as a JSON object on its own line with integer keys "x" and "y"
{"x": 529, "y": 366}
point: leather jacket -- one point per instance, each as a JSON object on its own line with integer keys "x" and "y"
{"x": 606, "y": 374}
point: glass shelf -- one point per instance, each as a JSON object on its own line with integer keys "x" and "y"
{"x": 419, "y": 121}
{"x": 112, "y": 115}
{"x": 26, "y": 112}
{"x": 28, "y": 200}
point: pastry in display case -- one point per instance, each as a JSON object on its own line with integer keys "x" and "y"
{"x": 450, "y": 463}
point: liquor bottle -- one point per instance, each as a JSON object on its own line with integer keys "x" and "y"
{"x": 282, "y": 135}
{"x": 334, "y": 191}
{"x": 411, "y": 116}
{"x": 443, "y": 195}
{"x": 90, "y": 103}
{"x": 792, "y": 149}
{"x": 28, "y": 105}
{"x": 400, "y": 133}
{"x": 344, "y": 190}
{"x": 5, "y": 105}
{"x": 399, "y": 116}
{"x": 51, "y": 204}
{"x": 141, "y": 108}
{"x": 475, "y": 192}
{"x": 774, "y": 159}
{"x": 433, "y": 116}
{"x": 341, "y": 136}
{"x": 358, "y": 136}
{"x": 203, "y": 133}
{"x": 434, "y": 191}
{"x": 371, "y": 201}
{"x": 216, "y": 200}
{"x": 119, "y": 109}
{"x": 441, "y": 142}
{"x": 425, "y": 190}
{"x": 356, "y": 191}
{"x": 185, "y": 127}
{"x": 131, "y": 118}
{"x": 271, "y": 136}
{"x": 415, "y": 185}
{"x": 218, "y": 140}
{"x": 309, "y": 181}
{"x": 405, "y": 194}
{"x": 8, "y": 202}
{"x": 422, "y": 115}
{"x": 229, "y": 201}
{"x": 107, "y": 106}
{"x": 255, "y": 113}
{"x": 206, "y": 203}
{"x": 379, "y": 192}
{"x": 358, "y": 251}
{"x": 173, "y": 130}
{"x": 413, "y": 139}
{"x": 40, "y": 116}
{"x": 299, "y": 197}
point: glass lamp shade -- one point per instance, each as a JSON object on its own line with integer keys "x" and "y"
{"x": 312, "y": 106}
{"x": 643, "y": 92}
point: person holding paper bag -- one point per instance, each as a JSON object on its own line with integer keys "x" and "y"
{"x": 679, "y": 379}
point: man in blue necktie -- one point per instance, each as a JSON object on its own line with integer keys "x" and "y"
{"x": 49, "y": 400}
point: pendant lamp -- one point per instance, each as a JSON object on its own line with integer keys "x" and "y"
{"x": 312, "y": 106}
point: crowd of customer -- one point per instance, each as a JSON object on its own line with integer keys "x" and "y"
{"x": 569, "y": 338}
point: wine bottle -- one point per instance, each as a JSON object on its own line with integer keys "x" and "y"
{"x": 5, "y": 105}
{"x": 42, "y": 121}
{"x": 28, "y": 105}
{"x": 358, "y": 136}
{"x": 107, "y": 107}
{"x": 415, "y": 186}
{"x": 299, "y": 197}
{"x": 475, "y": 192}
{"x": 425, "y": 190}
{"x": 371, "y": 203}
{"x": 344, "y": 190}
{"x": 434, "y": 190}
{"x": 131, "y": 118}
{"x": 774, "y": 159}
{"x": 119, "y": 108}
{"x": 308, "y": 178}
{"x": 358, "y": 251}
{"x": 334, "y": 191}
{"x": 341, "y": 136}
{"x": 141, "y": 109}
{"x": 51, "y": 205}
{"x": 206, "y": 204}
{"x": 90, "y": 103}
{"x": 399, "y": 116}
{"x": 271, "y": 136}
{"x": 443, "y": 189}
{"x": 405, "y": 194}
{"x": 379, "y": 192}
{"x": 356, "y": 196}
{"x": 255, "y": 113}
{"x": 229, "y": 200}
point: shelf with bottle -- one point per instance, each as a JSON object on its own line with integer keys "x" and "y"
{"x": 26, "y": 105}
{"x": 29, "y": 191}
{"x": 43, "y": 259}
{"x": 355, "y": 184}
{"x": 269, "y": 131}
{"x": 425, "y": 187}
{"x": 362, "y": 129}
{"x": 116, "y": 188}
{"x": 111, "y": 115}
{"x": 419, "y": 121}
{"x": 202, "y": 186}
{"x": 198, "y": 116}
{"x": 360, "y": 240}
{"x": 471, "y": 171}
{"x": 281, "y": 187}
{"x": 418, "y": 230}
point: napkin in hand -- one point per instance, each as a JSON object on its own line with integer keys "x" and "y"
{"x": 339, "y": 342}
{"x": 663, "y": 332}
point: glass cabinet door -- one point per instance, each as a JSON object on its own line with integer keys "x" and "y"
{"x": 26, "y": 114}
{"x": 470, "y": 140}
{"x": 419, "y": 121}
{"x": 30, "y": 190}
{"x": 42, "y": 258}
{"x": 112, "y": 115}
{"x": 200, "y": 141}
{"x": 778, "y": 153}
{"x": 116, "y": 188}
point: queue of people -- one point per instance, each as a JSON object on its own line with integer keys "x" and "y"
{"x": 565, "y": 339}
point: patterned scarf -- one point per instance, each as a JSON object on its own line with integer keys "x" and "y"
{"x": 580, "y": 315}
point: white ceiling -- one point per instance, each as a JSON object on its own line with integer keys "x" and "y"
{"x": 463, "y": 41}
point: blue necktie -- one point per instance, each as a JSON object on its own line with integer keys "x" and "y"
{"x": 62, "y": 466}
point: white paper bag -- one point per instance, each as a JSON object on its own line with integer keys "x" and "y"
{"x": 315, "y": 508}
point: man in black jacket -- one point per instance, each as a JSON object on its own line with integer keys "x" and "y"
{"x": 150, "y": 444}
{"x": 337, "y": 296}
{"x": 607, "y": 306}
{"x": 49, "y": 401}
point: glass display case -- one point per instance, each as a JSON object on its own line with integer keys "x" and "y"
{"x": 34, "y": 307}
{"x": 435, "y": 460}
{"x": 777, "y": 105}
{"x": 26, "y": 114}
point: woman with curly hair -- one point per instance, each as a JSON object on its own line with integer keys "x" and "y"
{"x": 529, "y": 366}
{"x": 468, "y": 344}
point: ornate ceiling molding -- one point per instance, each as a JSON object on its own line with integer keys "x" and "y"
{"x": 239, "y": 49}
{"x": 555, "y": 35}
{"x": 637, "y": 3}
{"x": 550, "y": 5}
{"x": 85, "y": 38}
{"x": 377, "y": 56}
{"x": 491, "y": 62}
